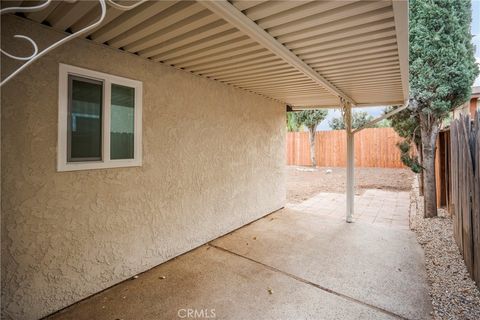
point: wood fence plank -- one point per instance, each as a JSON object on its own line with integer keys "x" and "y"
{"x": 467, "y": 174}
{"x": 456, "y": 203}
{"x": 476, "y": 200}
{"x": 465, "y": 190}
{"x": 374, "y": 147}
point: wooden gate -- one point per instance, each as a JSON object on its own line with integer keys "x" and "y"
{"x": 465, "y": 190}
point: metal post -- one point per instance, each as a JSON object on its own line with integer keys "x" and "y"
{"x": 350, "y": 160}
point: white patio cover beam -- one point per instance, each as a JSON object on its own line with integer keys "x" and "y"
{"x": 400, "y": 12}
{"x": 385, "y": 116}
{"x": 236, "y": 18}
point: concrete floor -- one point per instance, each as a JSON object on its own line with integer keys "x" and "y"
{"x": 288, "y": 265}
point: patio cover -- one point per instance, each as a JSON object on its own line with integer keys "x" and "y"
{"x": 302, "y": 53}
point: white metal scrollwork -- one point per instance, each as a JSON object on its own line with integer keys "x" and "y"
{"x": 37, "y": 54}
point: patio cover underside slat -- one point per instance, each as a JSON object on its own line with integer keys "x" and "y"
{"x": 354, "y": 45}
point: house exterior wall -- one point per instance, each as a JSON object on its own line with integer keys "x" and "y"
{"x": 463, "y": 109}
{"x": 213, "y": 160}
{"x": 473, "y": 106}
{"x": 468, "y": 108}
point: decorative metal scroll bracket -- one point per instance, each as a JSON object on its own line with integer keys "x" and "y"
{"x": 38, "y": 54}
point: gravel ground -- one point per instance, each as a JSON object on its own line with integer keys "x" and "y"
{"x": 453, "y": 293}
{"x": 303, "y": 183}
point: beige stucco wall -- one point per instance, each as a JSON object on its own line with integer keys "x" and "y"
{"x": 213, "y": 161}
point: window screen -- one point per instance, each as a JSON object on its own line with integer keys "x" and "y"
{"x": 84, "y": 119}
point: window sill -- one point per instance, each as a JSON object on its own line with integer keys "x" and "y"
{"x": 93, "y": 165}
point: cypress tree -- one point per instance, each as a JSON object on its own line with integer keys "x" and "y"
{"x": 442, "y": 71}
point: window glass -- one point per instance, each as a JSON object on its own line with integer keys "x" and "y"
{"x": 84, "y": 119}
{"x": 122, "y": 122}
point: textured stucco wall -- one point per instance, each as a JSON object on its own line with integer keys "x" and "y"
{"x": 213, "y": 161}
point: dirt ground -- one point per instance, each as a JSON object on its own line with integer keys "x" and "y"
{"x": 302, "y": 183}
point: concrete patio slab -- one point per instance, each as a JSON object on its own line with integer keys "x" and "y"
{"x": 316, "y": 266}
{"x": 210, "y": 283}
{"x": 386, "y": 208}
{"x": 376, "y": 265}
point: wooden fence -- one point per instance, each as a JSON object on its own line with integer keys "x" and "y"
{"x": 374, "y": 147}
{"x": 465, "y": 190}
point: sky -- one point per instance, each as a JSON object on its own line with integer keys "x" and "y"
{"x": 335, "y": 113}
{"x": 476, "y": 32}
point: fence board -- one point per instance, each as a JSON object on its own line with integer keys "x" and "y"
{"x": 454, "y": 172}
{"x": 467, "y": 173}
{"x": 475, "y": 148}
{"x": 374, "y": 147}
{"x": 465, "y": 190}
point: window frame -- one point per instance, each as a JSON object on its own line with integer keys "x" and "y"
{"x": 63, "y": 100}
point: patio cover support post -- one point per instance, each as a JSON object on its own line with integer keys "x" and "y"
{"x": 347, "y": 116}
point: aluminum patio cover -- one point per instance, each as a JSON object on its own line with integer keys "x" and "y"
{"x": 303, "y": 53}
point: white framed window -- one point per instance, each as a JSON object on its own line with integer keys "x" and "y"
{"x": 99, "y": 120}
